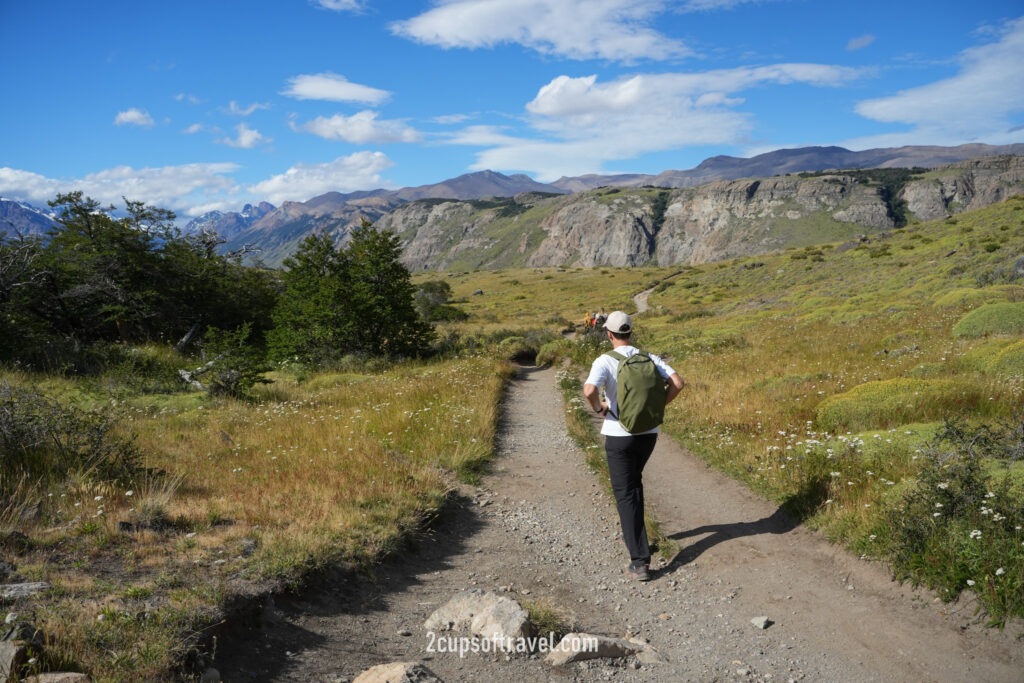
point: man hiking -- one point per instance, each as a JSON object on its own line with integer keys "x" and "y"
{"x": 648, "y": 385}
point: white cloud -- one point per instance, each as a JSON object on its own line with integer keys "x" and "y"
{"x": 860, "y": 42}
{"x": 482, "y": 136}
{"x": 340, "y": 5}
{"x": 134, "y": 117}
{"x": 578, "y": 29}
{"x": 235, "y": 109}
{"x": 978, "y": 104}
{"x": 195, "y": 128}
{"x": 360, "y": 128}
{"x": 173, "y": 187}
{"x": 186, "y": 97}
{"x": 711, "y": 5}
{"x": 451, "y": 118}
{"x": 359, "y": 171}
{"x": 333, "y": 88}
{"x": 247, "y": 138}
{"x": 588, "y": 122}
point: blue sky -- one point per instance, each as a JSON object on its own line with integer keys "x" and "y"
{"x": 195, "y": 106}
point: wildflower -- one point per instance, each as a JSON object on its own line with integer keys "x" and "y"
{"x": 834, "y": 474}
{"x": 1000, "y": 571}
{"x": 872, "y": 537}
{"x": 975, "y": 533}
{"x": 98, "y": 498}
{"x": 944, "y": 485}
{"x": 129, "y": 493}
{"x": 970, "y": 582}
{"x": 936, "y": 514}
{"x": 990, "y": 495}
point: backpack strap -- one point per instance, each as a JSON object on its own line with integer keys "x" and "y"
{"x": 619, "y": 357}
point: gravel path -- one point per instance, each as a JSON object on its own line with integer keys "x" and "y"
{"x": 542, "y": 530}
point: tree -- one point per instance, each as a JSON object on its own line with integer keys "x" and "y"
{"x": 381, "y": 288}
{"x": 432, "y": 304}
{"x": 312, "y": 319}
{"x": 354, "y": 300}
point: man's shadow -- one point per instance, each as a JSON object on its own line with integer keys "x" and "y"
{"x": 779, "y": 522}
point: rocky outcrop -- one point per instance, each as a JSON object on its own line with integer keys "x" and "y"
{"x": 727, "y": 219}
{"x": 591, "y": 233}
{"x": 964, "y": 186}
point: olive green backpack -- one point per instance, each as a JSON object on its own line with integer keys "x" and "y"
{"x": 641, "y": 392}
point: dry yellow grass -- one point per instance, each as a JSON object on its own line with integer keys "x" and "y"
{"x": 337, "y": 468}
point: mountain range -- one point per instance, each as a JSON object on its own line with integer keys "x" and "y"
{"x": 277, "y": 231}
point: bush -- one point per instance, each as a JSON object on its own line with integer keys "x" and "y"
{"x": 966, "y": 296}
{"x": 955, "y": 530}
{"x": 236, "y": 366}
{"x": 1009, "y": 362}
{"x": 998, "y": 318}
{"x": 553, "y": 351}
{"x": 893, "y": 402}
{"x": 43, "y": 442}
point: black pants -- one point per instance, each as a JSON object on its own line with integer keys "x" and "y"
{"x": 627, "y": 456}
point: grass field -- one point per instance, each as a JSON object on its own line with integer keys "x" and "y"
{"x": 253, "y": 494}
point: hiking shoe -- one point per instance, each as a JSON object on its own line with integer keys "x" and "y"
{"x": 639, "y": 571}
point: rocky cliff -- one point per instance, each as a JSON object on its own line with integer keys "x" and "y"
{"x": 719, "y": 220}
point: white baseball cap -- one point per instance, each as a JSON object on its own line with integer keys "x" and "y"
{"x": 619, "y": 323}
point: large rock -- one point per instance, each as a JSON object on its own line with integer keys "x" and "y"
{"x": 505, "y": 619}
{"x": 576, "y": 647}
{"x": 458, "y": 613}
{"x": 398, "y": 672}
{"x": 15, "y": 591}
{"x": 59, "y": 677}
{"x": 485, "y": 614}
{"x": 12, "y": 657}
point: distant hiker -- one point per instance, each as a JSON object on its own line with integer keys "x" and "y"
{"x": 600, "y": 318}
{"x": 630, "y": 428}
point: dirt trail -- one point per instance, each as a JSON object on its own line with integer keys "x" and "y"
{"x": 641, "y": 300}
{"x": 541, "y": 528}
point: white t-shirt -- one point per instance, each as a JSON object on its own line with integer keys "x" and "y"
{"x": 603, "y": 373}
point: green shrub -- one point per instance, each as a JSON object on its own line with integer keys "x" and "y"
{"x": 1009, "y": 362}
{"x": 893, "y": 402}
{"x": 44, "y": 442}
{"x": 963, "y": 297}
{"x": 956, "y": 529}
{"x": 553, "y": 351}
{"x": 235, "y": 367}
{"x": 997, "y": 318}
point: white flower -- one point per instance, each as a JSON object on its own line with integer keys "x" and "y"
{"x": 938, "y": 505}
{"x": 990, "y": 495}
{"x": 98, "y": 498}
{"x": 936, "y": 514}
{"x": 976, "y": 533}
{"x": 1000, "y": 571}
{"x": 129, "y": 493}
{"x": 970, "y": 582}
{"x": 944, "y": 485}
